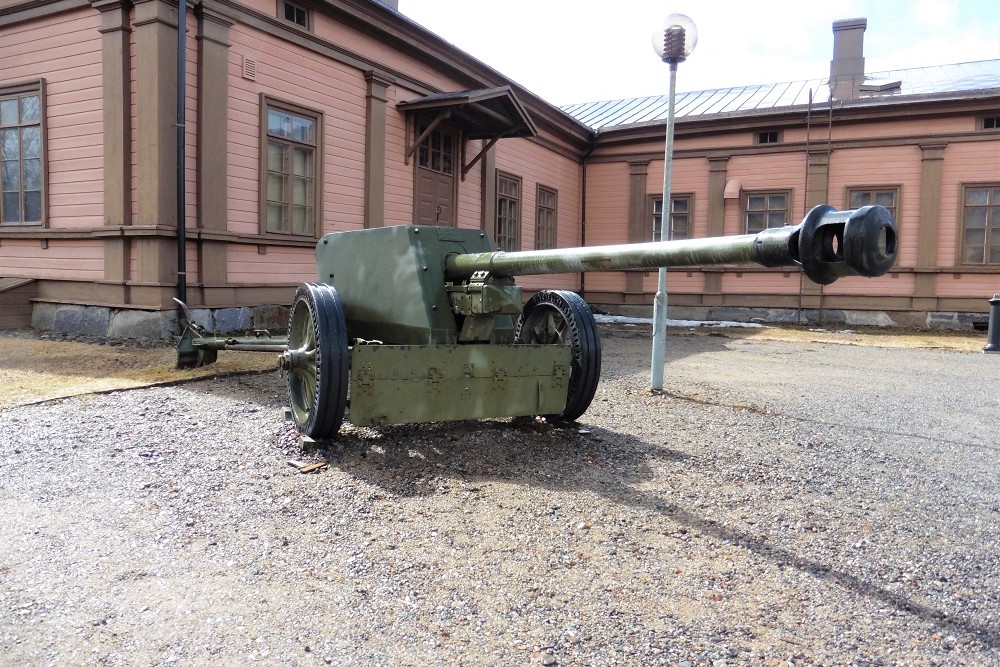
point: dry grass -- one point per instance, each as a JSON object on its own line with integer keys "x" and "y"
{"x": 33, "y": 370}
{"x": 972, "y": 341}
{"x": 869, "y": 336}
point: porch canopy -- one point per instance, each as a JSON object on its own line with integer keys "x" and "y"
{"x": 490, "y": 114}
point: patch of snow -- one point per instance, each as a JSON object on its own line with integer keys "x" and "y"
{"x": 632, "y": 321}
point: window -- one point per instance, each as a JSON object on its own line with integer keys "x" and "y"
{"x": 294, "y": 13}
{"x": 887, "y": 197}
{"x": 292, "y": 160}
{"x": 981, "y": 224}
{"x": 763, "y": 210}
{"x": 508, "y": 228}
{"x": 545, "y": 218}
{"x": 680, "y": 217}
{"x": 990, "y": 123}
{"x": 437, "y": 151}
{"x": 22, "y": 169}
{"x": 768, "y": 137}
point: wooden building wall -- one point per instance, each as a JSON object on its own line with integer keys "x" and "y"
{"x": 109, "y": 238}
{"x": 536, "y": 166}
{"x": 67, "y": 55}
{"x": 110, "y": 84}
{"x": 880, "y": 149}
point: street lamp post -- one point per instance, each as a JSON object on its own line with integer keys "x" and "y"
{"x": 673, "y": 41}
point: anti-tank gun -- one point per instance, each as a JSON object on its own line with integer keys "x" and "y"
{"x": 423, "y": 323}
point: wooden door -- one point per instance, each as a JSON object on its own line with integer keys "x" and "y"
{"x": 436, "y": 186}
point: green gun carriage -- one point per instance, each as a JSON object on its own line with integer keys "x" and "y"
{"x": 421, "y": 323}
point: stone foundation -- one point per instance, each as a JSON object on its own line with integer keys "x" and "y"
{"x": 825, "y": 317}
{"x": 101, "y": 322}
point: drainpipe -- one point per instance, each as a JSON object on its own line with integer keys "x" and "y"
{"x": 583, "y": 224}
{"x": 583, "y": 210}
{"x": 181, "y": 78}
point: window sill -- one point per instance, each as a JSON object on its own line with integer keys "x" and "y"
{"x": 288, "y": 238}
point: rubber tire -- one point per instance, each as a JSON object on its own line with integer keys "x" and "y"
{"x": 579, "y": 330}
{"x": 318, "y": 394}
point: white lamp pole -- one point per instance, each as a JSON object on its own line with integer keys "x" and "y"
{"x": 673, "y": 41}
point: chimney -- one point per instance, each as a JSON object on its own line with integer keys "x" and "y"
{"x": 847, "y": 69}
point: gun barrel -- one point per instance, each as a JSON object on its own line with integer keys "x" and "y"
{"x": 625, "y": 257}
{"x": 827, "y": 244}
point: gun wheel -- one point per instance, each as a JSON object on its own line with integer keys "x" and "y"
{"x": 317, "y": 361}
{"x": 559, "y": 317}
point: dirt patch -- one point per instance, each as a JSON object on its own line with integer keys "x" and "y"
{"x": 33, "y": 370}
{"x": 958, "y": 341}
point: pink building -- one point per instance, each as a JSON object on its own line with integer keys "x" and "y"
{"x": 302, "y": 119}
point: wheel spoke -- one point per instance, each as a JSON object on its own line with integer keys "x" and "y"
{"x": 309, "y": 390}
{"x": 310, "y": 337}
{"x": 559, "y": 331}
{"x": 550, "y": 328}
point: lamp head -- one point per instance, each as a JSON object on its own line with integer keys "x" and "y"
{"x": 675, "y": 38}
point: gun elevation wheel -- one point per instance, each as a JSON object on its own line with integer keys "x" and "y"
{"x": 559, "y": 317}
{"x": 317, "y": 361}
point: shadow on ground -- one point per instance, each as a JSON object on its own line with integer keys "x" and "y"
{"x": 420, "y": 460}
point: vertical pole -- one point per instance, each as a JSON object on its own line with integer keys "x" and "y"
{"x": 181, "y": 94}
{"x": 660, "y": 300}
{"x": 993, "y": 331}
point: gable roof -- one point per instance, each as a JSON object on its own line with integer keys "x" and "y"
{"x": 941, "y": 82}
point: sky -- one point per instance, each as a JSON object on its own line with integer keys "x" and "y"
{"x": 569, "y": 51}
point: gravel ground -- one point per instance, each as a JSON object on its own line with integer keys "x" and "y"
{"x": 783, "y": 504}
